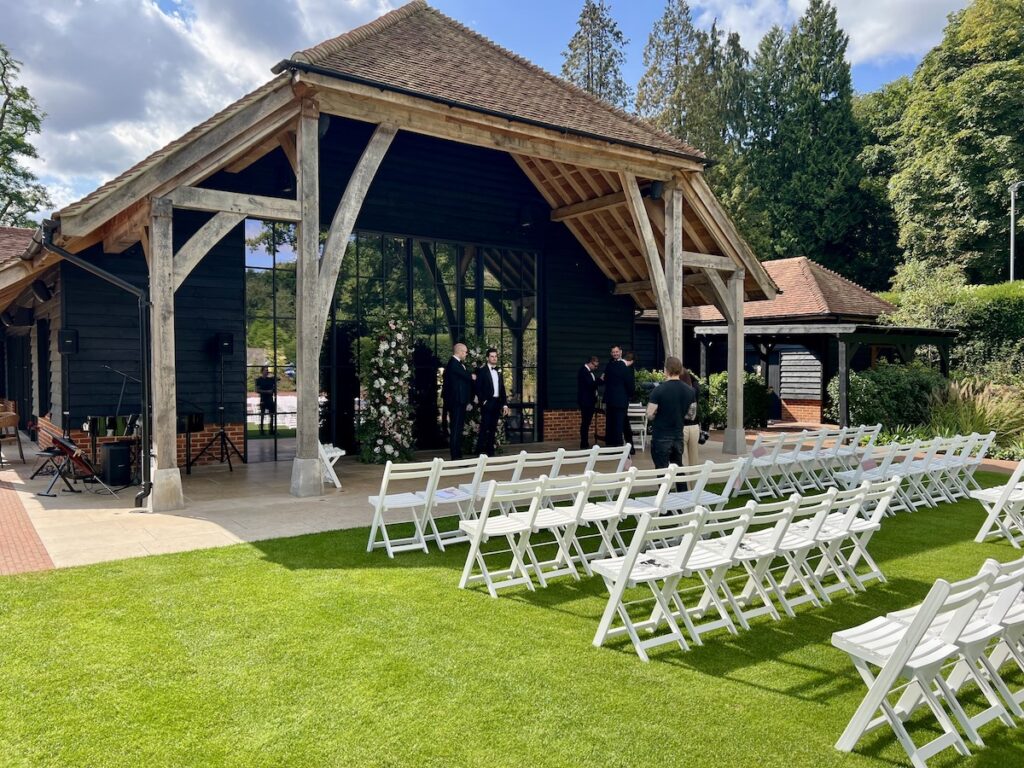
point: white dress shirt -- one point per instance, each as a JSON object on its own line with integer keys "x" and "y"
{"x": 494, "y": 379}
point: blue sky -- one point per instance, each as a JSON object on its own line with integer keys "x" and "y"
{"x": 176, "y": 62}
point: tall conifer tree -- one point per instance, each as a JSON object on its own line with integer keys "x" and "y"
{"x": 594, "y": 58}
{"x": 661, "y": 95}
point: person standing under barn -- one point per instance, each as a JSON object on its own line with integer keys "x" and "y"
{"x": 490, "y": 392}
{"x": 616, "y": 396}
{"x": 456, "y": 393}
{"x": 266, "y": 387}
{"x": 691, "y": 421}
{"x": 627, "y": 428}
{"x": 586, "y": 398}
{"x": 669, "y": 403}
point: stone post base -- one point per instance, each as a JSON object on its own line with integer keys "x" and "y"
{"x": 735, "y": 442}
{"x": 307, "y": 478}
{"x": 167, "y": 495}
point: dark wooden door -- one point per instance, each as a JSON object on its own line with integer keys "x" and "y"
{"x": 19, "y": 375}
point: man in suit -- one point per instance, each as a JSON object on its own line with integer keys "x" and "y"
{"x": 586, "y": 398}
{"x": 456, "y": 392}
{"x": 490, "y": 391}
{"x": 616, "y": 397}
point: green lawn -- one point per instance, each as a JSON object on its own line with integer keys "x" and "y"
{"x": 309, "y": 652}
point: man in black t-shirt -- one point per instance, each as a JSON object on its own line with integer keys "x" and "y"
{"x": 667, "y": 408}
{"x": 266, "y": 388}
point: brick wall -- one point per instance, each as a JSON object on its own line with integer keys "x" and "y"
{"x": 565, "y": 424}
{"x": 808, "y": 411}
{"x": 48, "y": 430}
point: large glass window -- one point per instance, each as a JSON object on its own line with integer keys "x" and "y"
{"x": 450, "y": 291}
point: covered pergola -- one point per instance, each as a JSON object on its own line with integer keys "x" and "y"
{"x": 635, "y": 198}
{"x": 844, "y": 340}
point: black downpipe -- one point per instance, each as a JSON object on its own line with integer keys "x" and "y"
{"x": 142, "y": 295}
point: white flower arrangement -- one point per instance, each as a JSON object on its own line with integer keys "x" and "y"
{"x": 386, "y": 429}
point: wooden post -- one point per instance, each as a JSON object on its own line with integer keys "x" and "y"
{"x": 645, "y": 234}
{"x": 167, "y": 494}
{"x": 674, "y": 264}
{"x": 703, "y": 360}
{"x": 735, "y": 439}
{"x": 844, "y": 385}
{"x": 307, "y": 478}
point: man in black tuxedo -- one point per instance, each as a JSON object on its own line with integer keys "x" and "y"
{"x": 490, "y": 391}
{"x": 616, "y": 397}
{"x": 586, "y": 398}
{"x": 627, "y": 428}
{"x": 456, "y": 392}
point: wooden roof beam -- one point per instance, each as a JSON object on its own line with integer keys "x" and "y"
{"x": 588, "y": 206}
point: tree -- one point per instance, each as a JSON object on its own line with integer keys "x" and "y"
{"x": 662, "y": 95}
{"x": 594, "y": 58}
{"x": 960, "y": 142}
{"x": 877, "y": 237}
{"x": 20, "y": 194}
{"x": 805, "y": 141}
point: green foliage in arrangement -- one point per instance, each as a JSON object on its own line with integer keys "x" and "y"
{"x": 646, "y": 381}
{"x": 755, "y": 401}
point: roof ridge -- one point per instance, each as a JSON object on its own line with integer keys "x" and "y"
{"x": 846, "y": 280}
{"x": 347, "y": 39}
{"x": 563, "y": 83}
{"x": 805, "y": 268}
{"x": 357, "y": 35}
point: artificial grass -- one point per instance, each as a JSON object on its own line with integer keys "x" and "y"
{"x": 308, "y": 651}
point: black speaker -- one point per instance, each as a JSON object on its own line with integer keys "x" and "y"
{"x": 117, "y": 468}
{"x": 67, "y": 341}
{"x": 225, "y": 344}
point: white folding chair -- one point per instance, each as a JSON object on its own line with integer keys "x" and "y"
{"x": 613, "y": 458}
{"x": 727, "y": 473}
{"x": 760, "y": 546}
{"x": 389, "y": 500}
{"x": 636, "y": 413}
{"x": 329, "y": 456}
{"x": 995, "y": 501}
{"x": 560, "y": 522}
{"x": 648, "y": 492}
{"x": 1008, "y": 611}
{"x": 908, "y": 651}
{"x": 492, "y": 523}
{"x": 975, "y": 459}
{"x": 643, "y": 565}
{"x": 606, "y": 515}
{"x": 447, "y": 494}
{"x": 873, "y": 508}
{"x": 758, "y": 475}
{"x": 694, "y": 478}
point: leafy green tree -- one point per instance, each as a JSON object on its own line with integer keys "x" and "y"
{"x": 961, "y": 142}
{"x": 595, "y": 55}
{"x": 663, "y": 96}
{"x": 20, "y": 194}
{"x": 878, "y": 251}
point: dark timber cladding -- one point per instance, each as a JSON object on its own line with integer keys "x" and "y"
{"x": 106, "y": 319}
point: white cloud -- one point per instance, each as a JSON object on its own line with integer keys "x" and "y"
{"x": 879, "y": 29}
{"x": 118, "y": 79}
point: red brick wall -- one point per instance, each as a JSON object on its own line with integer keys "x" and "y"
{"x": 565, "y": 424}
{"x": 48, "y": 430}
{"x": 801, "y": 410}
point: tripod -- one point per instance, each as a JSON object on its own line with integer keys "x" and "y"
{"x": 220, "y": 439}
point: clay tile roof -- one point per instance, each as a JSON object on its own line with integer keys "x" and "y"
{"x": 420, "y": 50}
{"x": 807, "y": 290}
{"x": 13, "y": 243}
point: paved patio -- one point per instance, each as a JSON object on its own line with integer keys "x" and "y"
{"x": 249, "y": 504}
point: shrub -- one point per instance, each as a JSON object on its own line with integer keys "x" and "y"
{"x": 755, "y": 401}
{"x": 647, "y": 380}
{"x": 888, "y": 394}
{"x": 973, "y": 405}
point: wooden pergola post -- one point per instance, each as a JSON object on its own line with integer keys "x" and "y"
{"x": 735, "y": 439}
{"x": 674, "y": 265}
{"x": 167, "y": 494}
{"x": 307, "y": 477}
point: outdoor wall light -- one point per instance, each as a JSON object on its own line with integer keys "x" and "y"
{"x": 6, "y": 319}
{"x": 41, "y": 291}
{"x": 657, "y": 189}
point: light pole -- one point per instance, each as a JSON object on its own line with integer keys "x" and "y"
{"x": 1013, "y": 224}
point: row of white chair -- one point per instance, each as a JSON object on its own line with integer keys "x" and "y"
{"x": 934, "y": 471}
{"x": 597, "y": 501}
{"x": 819, "y": 540}
{"x": 962, "y": 633}
{"x": 427, "y": 490}
{"x": 782, "y": 463}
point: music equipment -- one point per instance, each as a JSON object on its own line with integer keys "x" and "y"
{"x": 225, "y": 344}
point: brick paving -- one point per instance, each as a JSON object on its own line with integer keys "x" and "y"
{"x": 21, "y": 549}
